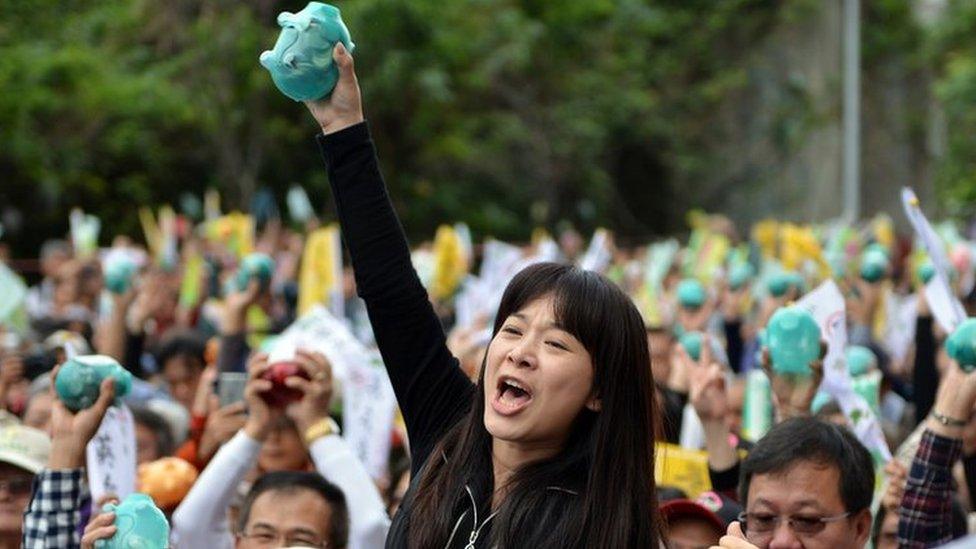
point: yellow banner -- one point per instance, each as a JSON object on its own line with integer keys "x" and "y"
{"x": 681, "y": 468}
{"x": 318, "y": 279}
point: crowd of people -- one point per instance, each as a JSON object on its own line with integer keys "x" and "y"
{"x": 543, "y": 389}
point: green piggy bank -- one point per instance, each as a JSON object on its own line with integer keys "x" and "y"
{"x": 301, "y": 64}
{"x": 961, "y": 345}
{"x": 793, "y": 339}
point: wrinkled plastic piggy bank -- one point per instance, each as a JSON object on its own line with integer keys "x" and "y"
{"x": 793, "y": 339}
{"x": 254, "y": 267}
{"x": 691, "y": 293}
{"x": 301, "y": 62}
{"x": 961, "y": 345}
{"x": 139, "y": 525}
{"x": 80, "y": 377}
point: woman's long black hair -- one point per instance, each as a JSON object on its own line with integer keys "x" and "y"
{"x": 599, "y": 491}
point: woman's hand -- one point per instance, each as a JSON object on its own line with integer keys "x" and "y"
{"x": 344, "y": 107}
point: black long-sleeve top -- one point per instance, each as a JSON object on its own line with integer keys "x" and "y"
{"x": 431, "y": 390}
{"x": 925, "y": 376}
{"x": 430, "y": 387}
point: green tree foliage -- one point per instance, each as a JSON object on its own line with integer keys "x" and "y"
{"x": 507, "y": 114}
{"x": 953, "y": 47}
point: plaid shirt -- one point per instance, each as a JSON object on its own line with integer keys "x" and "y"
{"x": 52, "y": 519}
{"x": 926, "y": 508}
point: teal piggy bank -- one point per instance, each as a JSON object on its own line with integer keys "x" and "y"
{"x": 874, "y": 265}
{"x": 118, "y": 275}
{"x": 793, "y": 339}
{"x": 739, "y": 275}
{"x": 254, "y": 267}
{"x": 780, "y": 283}
{"x": 961, "y": 345}
{"x": 139, "y": 525}
{"x": 691, "y": 293}
{"x": 80, "y": 377}
{"x": 301, "y": 64}
{"x": 860, "y": 360}
{"x": 692, "y": 343}
{"x": 926, "y": 271}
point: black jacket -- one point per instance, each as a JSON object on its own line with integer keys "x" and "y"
{"x": 432, "y": 391}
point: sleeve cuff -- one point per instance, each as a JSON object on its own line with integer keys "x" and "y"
{"x": 335, "y": 145}
{"x": 936, "y": 450}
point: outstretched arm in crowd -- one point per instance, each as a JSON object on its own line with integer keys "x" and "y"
{"x": 793, "y": 394}
{"x": 708, "y": 394}
{"x": 431, "y": 389}
{"x": 60, "y": 490}
{"x": 201, "y": 519}
{"x": 233, "y": 334}
{"x": 333, "y": 458}
{"x": 925, "y": 376}
{"x": 111, "y": 332}
{"x": 925, "y": 515}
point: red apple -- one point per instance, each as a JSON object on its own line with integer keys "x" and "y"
{"x": 281, "y": 395}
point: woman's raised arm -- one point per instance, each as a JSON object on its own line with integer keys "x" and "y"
{"x": 430, "y": 387}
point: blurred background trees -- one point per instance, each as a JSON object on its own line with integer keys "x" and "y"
{"x": 506, "y": 114}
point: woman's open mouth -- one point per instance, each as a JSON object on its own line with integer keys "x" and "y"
{"x": 511, "y": 396}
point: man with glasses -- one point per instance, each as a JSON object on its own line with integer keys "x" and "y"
{"x": 23, "y": 453}
{"x": 293, "y": 509}
{"x": 806, "y": 484}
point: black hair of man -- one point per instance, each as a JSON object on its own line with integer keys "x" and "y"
{"x": 182, "y": 343}
{"x": 810, "y": 440}
{"x": 295, "y": 481}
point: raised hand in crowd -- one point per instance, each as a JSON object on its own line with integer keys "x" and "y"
{"x": 236, "y": 303}
{"x": 149, "y": 301}
{"x": 222, "y": 424}
{"x": 925, "y": 513}
{"x": 709, "y": 397}
{"x": 11, "y": 374}
{"x": 260, "y": 416}
{"x": 897, "y": 473}
{"x": 102, "y": 526}
{"x": 733, "y": 301}
{"x": 793, "y": 394}
{"x": 316, "y": 403}
{"x": 344, "y": 108}
{"x": 71, "y": 431}
{"x": 696, "y": 320}
{"x": 863, "y": 301}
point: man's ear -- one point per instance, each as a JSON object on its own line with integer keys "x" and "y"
{"x": 862, "y": 527}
